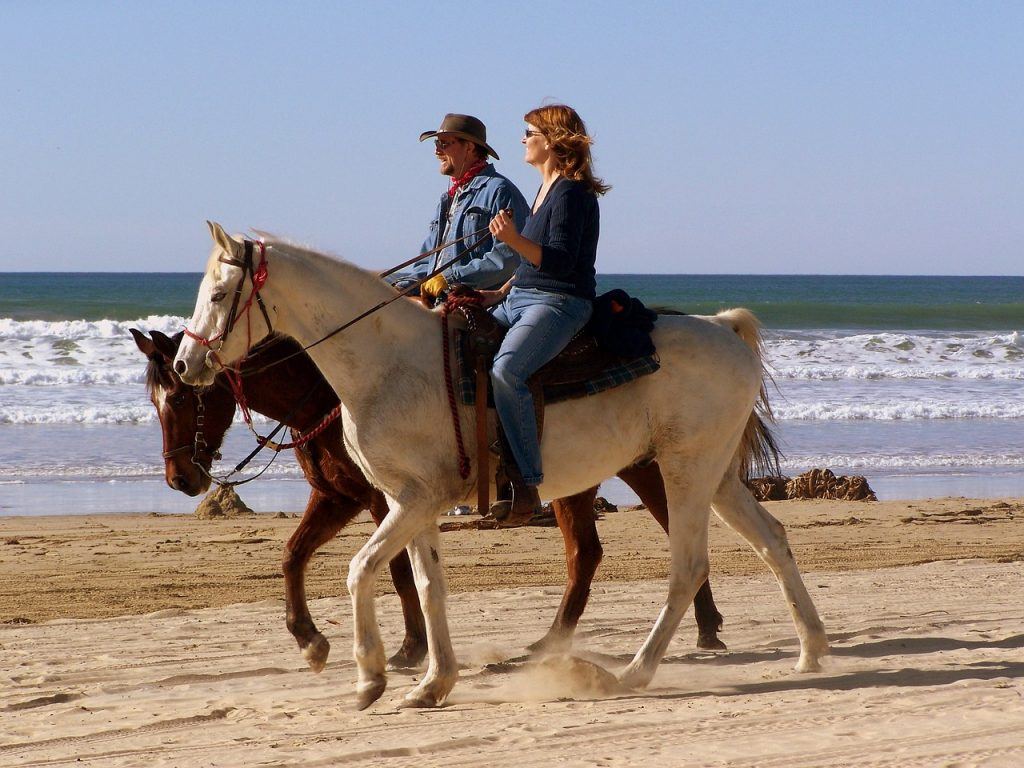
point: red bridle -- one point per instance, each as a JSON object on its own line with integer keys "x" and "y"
{"x": 258, "y": 277}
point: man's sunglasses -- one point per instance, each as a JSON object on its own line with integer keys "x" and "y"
{"x": 441, "y": 145}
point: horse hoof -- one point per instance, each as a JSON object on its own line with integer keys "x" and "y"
{"x": 407, "y": 658}
{"x": 633, "y": 679}
{"x": 417, "y": 702}
{"x": 710, "y": 643}
{"x": 367, "y": 696}
{"x": 808, "y": 664}
{"x": 551, "y": 644}
{"x": 316, "y": 653}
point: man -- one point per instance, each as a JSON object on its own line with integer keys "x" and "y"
{"x": 475, "y": 195}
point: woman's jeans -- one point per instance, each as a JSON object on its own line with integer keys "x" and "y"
{"x": 540, "y": 324}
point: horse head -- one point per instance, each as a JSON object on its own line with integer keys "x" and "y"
{"x": 181, "y": 408}
{"x": 214, "y": 340}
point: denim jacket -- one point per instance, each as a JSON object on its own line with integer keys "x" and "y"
{"x": 490, "y": 263}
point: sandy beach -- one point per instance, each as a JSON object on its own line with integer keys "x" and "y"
{"x": 160, "y": 640}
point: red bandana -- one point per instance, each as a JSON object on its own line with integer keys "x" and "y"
{"x": 472, "y": 171}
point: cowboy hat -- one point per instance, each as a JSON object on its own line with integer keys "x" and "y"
{"x": 465, "y": 127}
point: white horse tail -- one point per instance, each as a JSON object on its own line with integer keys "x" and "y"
{"x": 758, "y": 452}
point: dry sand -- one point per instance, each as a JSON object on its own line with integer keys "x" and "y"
{"x": 148, "y": 640}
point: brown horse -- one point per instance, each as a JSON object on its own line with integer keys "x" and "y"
{"x": 340, "y": 491}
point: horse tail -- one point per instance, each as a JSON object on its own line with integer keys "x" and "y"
{"x": 758, "y": 451}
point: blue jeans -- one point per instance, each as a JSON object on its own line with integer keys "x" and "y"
{"x": 540, "y": 324}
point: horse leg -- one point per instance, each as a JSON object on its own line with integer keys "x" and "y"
{"x": 688, "y": 495}
{"x": 442, "y": 669}
{"x": 647, "y": 483}
{"x": 575, "y": 516}
{"x": 324, "y": 517}
{"x": 397, "y": 529}
{"x": 736, "y": 506}
{"x": 414, "y": 646}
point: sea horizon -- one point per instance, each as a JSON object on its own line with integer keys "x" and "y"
{"x": 916, "y": 382}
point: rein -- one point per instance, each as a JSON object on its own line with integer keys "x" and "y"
{"x": 450, "y": 305}
{"x": 258, "y": 277}
{"x": 300, "y": 439}
{"x": 402, "y": 294}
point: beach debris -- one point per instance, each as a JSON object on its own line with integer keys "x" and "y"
{"x": 769, "y": 488}
{"x": 813, "y": 484}
{"x": 223, "y": 501}
{"x": 543, "y": 519}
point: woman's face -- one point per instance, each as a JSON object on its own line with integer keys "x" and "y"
{"x": 537, "y": 148}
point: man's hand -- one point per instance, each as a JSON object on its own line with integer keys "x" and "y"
{"x": 434, "y": 287}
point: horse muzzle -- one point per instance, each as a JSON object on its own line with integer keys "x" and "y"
{"x": 193, "y": 374}
{"x": 213, "y": 361}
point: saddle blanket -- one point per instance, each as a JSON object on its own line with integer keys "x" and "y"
{"x": 621, "y": 372}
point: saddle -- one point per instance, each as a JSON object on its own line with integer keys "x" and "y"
{"x": 583, "y": 368}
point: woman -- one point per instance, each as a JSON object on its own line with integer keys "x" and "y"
{"x": 548, "y": 299}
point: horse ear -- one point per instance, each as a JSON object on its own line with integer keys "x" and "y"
{"x": 164, "y": 344}
{"x": 223, "y": 239}
{"x": 143, "y": 342}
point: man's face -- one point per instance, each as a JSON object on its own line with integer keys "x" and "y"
{"x": 454, "y": 154}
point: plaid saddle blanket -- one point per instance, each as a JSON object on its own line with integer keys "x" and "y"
{"x": 580, "y": 370}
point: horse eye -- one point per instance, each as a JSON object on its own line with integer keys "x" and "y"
{"x": 178, "y": 399}
{"x": 218, "y": 296}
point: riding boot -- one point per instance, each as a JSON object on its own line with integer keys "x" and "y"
{"x": 520, "y": 510}
{"x": 525, "y": 501}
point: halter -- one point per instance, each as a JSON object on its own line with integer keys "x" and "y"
{"x": 258, "y": 277}
{"x": 198, "y": 445}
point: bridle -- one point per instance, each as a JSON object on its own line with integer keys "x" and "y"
{"x": 198, "y": 444}
{"x": 201, "y": 449}
{"x": 257, "y": 276}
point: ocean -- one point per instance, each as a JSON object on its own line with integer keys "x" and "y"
{"x": 915, "y": 382}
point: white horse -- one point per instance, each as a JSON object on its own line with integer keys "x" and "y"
{"x": 387, "y": 370}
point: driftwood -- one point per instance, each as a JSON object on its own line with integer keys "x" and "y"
{"x": 814, "y": 484}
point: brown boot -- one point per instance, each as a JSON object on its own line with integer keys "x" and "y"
{"x": 524, "y": 505}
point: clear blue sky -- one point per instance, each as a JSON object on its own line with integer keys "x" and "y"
{"x": 765, "y": 137}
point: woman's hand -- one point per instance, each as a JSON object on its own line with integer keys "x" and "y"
{"x": 504, "y": 228}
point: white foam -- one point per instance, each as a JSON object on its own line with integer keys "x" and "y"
{"x": 896, "y": 411}
{"x": 909, "y": 461}
{"x": 830, "y": 355}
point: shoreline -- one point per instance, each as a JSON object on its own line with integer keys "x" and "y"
{"x": 96, "y": 566}
{"x": 24, "y": 496}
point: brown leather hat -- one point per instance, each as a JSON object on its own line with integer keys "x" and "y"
{"x": 465, "y": 127}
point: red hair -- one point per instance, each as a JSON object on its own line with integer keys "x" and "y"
{"x": 567, "y": 134}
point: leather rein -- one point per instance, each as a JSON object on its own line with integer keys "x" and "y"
{"x": 257, "y": 276}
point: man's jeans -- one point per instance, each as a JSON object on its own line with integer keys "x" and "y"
{"x": 540, "y": 324}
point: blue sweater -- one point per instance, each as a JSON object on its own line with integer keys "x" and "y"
{"x": 566, "y": 226}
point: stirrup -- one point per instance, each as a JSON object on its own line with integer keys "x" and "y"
{"x": 524, "y": 505}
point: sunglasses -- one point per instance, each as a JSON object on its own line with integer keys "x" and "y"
{"x": 441, "y": 145}
{"x": 528, "y": 133}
